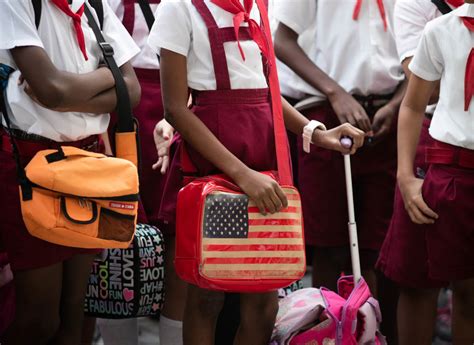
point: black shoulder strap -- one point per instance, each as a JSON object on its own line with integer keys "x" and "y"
{"x": 147, "y": 12}
{"x": 96, "y": 4}
{"x": 37, "y": 8}
{"x": 124, "y": 108}
{"x": 442, "y": 6}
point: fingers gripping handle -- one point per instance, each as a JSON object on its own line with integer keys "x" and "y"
{"x": 356, "y": 270}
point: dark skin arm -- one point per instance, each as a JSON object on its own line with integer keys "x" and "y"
{"x": 91, "y": 92}
{"x": 291, "y": 54}
{"x": 384, "y": 117}
{"x": 263, "y": 190}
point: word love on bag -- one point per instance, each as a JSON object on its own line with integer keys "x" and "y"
{"x": 127, "y": 283}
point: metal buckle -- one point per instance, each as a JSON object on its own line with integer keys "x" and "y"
{"x": 107, "y": 49}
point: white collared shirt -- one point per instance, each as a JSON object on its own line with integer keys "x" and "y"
{"x": 358, "y": 54}
{"x": 179, "y": 28}
{"x": 56, "y": 35}
{"x": 147, "y": 58}
{"x": 410, "y": 19}
{"x": 442, "y": 54}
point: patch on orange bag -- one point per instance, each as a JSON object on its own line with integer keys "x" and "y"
{"x": 121, "y": 205}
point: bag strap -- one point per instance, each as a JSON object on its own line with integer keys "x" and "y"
{"x": 96, "y": 4}
{"x": 442, "y": 6}
{"x": 281, "y": 139}
{"x": 124, "y": 109}
{"x": 147, "y": 13}
{"x": 37, "y": 8}
{"x": 26, "y": 190}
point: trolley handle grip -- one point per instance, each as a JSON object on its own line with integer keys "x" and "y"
{"x": 346, "y": 142}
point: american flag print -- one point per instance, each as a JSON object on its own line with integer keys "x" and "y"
{"x": 239, "y": 242}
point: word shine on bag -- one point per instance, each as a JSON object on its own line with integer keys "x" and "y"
{"x": 128, "y": 283}
{"x": 78, "y": 198}
{"x": 223, "y": 242}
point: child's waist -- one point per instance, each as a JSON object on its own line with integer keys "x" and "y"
{"x": 237, "y": 96}
{"x": 447, "y": 154}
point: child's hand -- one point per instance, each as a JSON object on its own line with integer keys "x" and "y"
{"x": 416, "y": 207}
{"x": 263, "y": 190}
{"x": 382, "y": 122}
{"x": 163, "y": 135}
{"x": 331, "y": 139}
{"x": 347, "y": 109}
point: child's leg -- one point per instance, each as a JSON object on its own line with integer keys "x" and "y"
{"x": 171, "y": 330}
{"x": 75, "y": 275}
{"x": 326, "y": 270}
{"x": 200, "y": 316}
{"x": 416, "y": 315}
{"x": 257, "y": 318}
{"x": 38, "y": 294}
{"x": 463, "y": 312}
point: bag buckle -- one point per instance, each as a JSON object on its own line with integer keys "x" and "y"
{"x": 107, "y": 49}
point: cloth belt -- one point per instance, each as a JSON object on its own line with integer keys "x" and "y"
{"x": 446, "y": 154}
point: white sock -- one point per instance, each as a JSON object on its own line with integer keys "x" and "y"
{"x": 119, "y": 332}
{"x": 171, "y": 331}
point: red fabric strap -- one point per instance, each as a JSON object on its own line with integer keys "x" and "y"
{"x": 281, "y": 139}
{"x": 381, "y": 6}
{"x": 129, "y": 15}
{"x": 469, "y": 76}
{"x": 76, "y": 20}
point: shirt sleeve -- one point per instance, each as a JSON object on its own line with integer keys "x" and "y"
{"x": 428, "y": 61}
{"x": 410, "y": 19}
{"x": 117, "y": 36}
{"x": 298, "y": 15}
{"x": 172, "y": 29}
{"x": 17, "y": 28}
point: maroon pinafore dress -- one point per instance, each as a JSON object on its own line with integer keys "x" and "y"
{"x": 240, "y": 118}
{"x": 148, "y": 113}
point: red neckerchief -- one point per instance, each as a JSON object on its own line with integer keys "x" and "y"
{"x": 242, "y": 14}
{"x": 358, "y": 5}
{"x": 76, "y": 19}
{"x": 455, "y": 3}
{"x": 469, "y": 77}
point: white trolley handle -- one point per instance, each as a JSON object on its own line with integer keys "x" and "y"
{"x": 356, "y": 271}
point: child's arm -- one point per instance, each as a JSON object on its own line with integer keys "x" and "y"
{"x": 410, "y": 121}
{"x": 58, "y": 90}
{"x": 263, "y": 190}
{"x": 345, "y": 106}
{"x": 330, "y": 139}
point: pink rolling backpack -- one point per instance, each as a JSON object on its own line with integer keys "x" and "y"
{"x": 323, "y": 317}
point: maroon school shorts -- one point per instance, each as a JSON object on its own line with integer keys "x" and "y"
{"x": 449, "y": 191}
{"x": 24, "y": 251}
{"x": 404, "y": 254}
{"x": 323, "y": 189}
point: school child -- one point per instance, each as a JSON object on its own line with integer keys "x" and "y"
{"x": 442, "y": 202}
{"x": 229, "y": 128}
{"x": 347, "y": 71}
{"x": 148, "y": 113}
{"x": 59, "y": 94}
{"x": 403, "y": 254}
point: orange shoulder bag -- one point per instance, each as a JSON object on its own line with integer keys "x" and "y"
{"x": 78, "y": 198}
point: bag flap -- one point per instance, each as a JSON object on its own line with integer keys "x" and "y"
{"x": 83, "y": 173}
